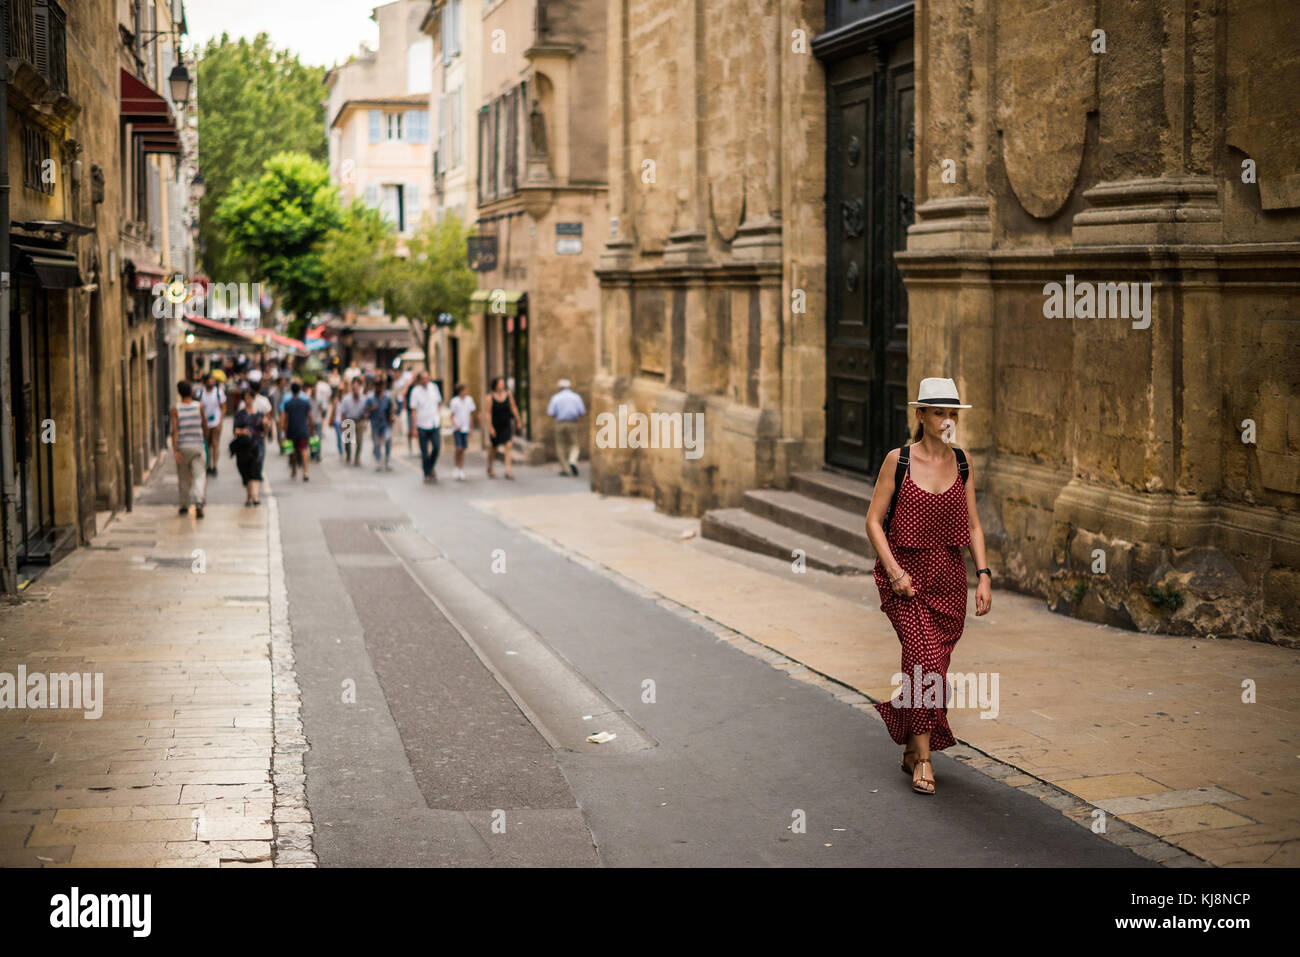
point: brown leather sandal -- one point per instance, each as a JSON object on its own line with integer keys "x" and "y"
{"x": 920, "y": 783}
{"x": 908, "y": 753}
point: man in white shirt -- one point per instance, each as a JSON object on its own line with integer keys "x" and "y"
{"x": 426, "y": 417}
{"x": 212, "y": 400}
{"x": 322, "y": 394}
{"x": 462, "y": 420}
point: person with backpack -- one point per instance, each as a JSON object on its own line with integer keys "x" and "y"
{"x": 922, "y": 514}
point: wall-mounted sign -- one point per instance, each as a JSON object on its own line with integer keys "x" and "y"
{"x": 568, "y": 245}
{"x": 568, "y": 229}
{"x": 482, "y": 253}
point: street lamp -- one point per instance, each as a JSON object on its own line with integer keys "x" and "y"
{"x": 180, "y": 82}
{"x": 198, "y": 185}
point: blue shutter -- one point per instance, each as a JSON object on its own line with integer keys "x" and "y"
{"x": 376, "y": 119}
{"x": 417, "y": 126}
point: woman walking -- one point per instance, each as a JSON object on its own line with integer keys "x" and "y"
{"x": 189, "y": 448}
{"x": 249, "y": 446}
{"x": 922, "y": 514}
{"x": 503, "y": 421}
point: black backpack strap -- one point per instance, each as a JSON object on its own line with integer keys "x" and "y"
{"x": 963, "y": 467}
{"x": 900, "y": 472}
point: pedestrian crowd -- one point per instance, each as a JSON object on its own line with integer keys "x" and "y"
{"x": 267, "y": 403}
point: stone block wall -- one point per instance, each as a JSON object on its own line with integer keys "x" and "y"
{"x": 1113, "y": 474}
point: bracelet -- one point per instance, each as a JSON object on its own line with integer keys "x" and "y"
{"x": 900, "y": 575}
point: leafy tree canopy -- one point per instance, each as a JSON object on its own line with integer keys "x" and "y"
{"x": 432, "y": 278}
{"x": 277, "y": 222}
{"x": 254, "y": 101}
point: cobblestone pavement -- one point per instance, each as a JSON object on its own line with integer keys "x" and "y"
{"x": 185, "y": 620}
{"x": 1148, "y": 733}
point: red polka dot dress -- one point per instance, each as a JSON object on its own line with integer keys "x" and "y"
{"x": 926, "y": 535}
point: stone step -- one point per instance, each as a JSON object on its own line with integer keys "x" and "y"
{"x": 735, "y": 526}
{"x": 842, "y": 491}
{"x": 836, "y": 526}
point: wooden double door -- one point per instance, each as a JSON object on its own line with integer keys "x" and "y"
{"x": 870, "y": 146}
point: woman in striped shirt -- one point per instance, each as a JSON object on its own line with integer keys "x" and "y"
{"x": 189, "y": 449}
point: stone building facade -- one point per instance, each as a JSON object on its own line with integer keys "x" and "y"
{"x": 1141, "y": 469}
{"x": 717, "y": 139}
{"x": 378, "y": 132}
{"x": 97, "y": 215}
{"x": 456, "y": 29}
{"x": 541, "y": 190}
{"x": 821, "y": 203}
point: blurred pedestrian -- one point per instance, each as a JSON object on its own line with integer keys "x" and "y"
{"x": 249, "y": 445}
{"x": 426, "y": 412}
{"x": 189, "y": 449}
{"x": 463, "y": 414}
{"x": 213, "y": 402}
{"x": 382, "y": 412}
{"x": 566, "y": 409}
{"x": 503, "y": 421}
{"x": 295, "y": 423}
{"x": 352, "y": 418}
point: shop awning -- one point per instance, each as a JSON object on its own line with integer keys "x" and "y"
{"x": 215, "y": 329}
{"x": 149, "y": 114}
{"x": 505, "y": 303}
{"x": 53, "y": 268}
{"x": 146, "y": 273}
{"x": 273, "y": 338}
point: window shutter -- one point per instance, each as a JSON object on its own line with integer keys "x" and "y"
{"x": 417, "y": 126}
{"x": 453, "y": 7}
{"x": 372, "y": 196}
{"x": 412, "y": 202}
{"x": 375, "y": 123}
{"x": 442, "y": 131}
{"x": 40, "y": 39}
{"x": 453, "y": 143}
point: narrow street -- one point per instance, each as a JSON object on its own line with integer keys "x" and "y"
{"x": 714, "y": 769}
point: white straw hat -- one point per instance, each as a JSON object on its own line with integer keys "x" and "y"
{"x": 938, "y": 392}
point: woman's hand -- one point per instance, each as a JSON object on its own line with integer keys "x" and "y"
{"x": 983, "y": 596}
{"x": 902, "y": 585}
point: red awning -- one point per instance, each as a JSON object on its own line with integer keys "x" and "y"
{"x": 215, "y": 325}
{"x": 284, "y": 342}
{"x": 147, "y": 273}
{"x": 149, "y": 114}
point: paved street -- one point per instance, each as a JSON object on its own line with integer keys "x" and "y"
{"x": 455, "y": 644}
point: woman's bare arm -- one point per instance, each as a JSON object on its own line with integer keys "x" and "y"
{"x": 880, "y": 499}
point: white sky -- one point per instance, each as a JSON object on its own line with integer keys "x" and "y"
{"x": 321, "y": 32}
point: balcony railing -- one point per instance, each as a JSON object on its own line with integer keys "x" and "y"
{"x": 36, "y": 31}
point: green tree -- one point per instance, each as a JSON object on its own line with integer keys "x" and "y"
{"x": 254, "y": 101}
{"x": 431, "y": 279}
{"x": 352, "y": 257}
{"x": 277, "y": 223}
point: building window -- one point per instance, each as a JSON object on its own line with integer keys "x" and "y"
{"x": 400, "y": 205}
{"x": 394, "y": 126}
{"x": 450, "y": 30}
{"x": 38, "y": 165}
